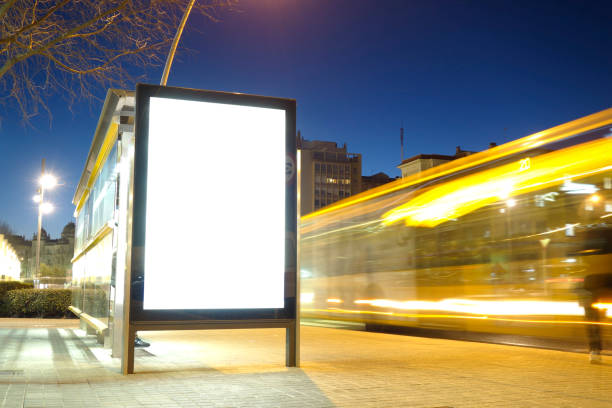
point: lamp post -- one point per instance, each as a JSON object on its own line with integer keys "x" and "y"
{"x": 177, "y": 37}
{"x": 46, "y": 181}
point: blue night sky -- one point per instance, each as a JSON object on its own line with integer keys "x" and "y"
{"x": 453, "y": 72}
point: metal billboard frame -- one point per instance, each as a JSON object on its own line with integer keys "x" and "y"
{"x": 139, "y": 319}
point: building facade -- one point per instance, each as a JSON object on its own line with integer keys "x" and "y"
{"x": 10, "y": 266}
{"x": 328, "y": 173}
{"x": 23, "y": 249}
{"x": 375, "y": 180}
{"x": 55, "y": 254}
{"x": 421, "y": 162}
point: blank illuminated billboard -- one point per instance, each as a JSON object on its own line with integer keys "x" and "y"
{"x": 215, "y": 206}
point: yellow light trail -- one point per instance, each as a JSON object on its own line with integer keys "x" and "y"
{"x": 560, "y": 132}
{"x": 552, "y": 231}
{"x": 447, "y": 316}
{"x": 482, "y": 307}
{"x": 461, "y": 196}
{"x": 602, "y": 306}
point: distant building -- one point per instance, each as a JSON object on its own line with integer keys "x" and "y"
{"x": 55, "y": 253}
{"x": 23, "y": 249}
{"x": 421, "y": 162}
{"x": 328, "y": 173}
{"x": 10, "y": 266}
{"x": 375, "y": 180}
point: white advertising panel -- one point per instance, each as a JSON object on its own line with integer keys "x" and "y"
{"x": 215, "y": 206}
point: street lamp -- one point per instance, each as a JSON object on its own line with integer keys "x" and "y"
{"x": 46, "y": 181}
{"x": 177, "y": 37}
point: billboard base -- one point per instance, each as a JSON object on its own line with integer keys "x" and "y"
{"x": 290, "y": 325}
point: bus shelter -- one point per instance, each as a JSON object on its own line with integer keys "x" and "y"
{"x": 186, "y": 217}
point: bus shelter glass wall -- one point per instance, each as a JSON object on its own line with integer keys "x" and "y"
{"x": 500, "y": 248}
{"x": 92, "y": 270}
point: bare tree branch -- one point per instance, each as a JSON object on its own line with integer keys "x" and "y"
{"x": 35, "y": 22}
{"x": 5, "y": 228}
{"x": 5, "y": 7}
{"x": 104, "y": 64}
{"x": 78, "y": 48}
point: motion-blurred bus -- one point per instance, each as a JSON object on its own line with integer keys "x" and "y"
{"x": 495, "y": 242}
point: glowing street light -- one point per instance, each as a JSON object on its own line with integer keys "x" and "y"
{"x": 46, "y": 208}
{"x": 46, "y": 181}
{"x": 595, "y": 198}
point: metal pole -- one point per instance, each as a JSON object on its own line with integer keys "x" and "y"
{"x": 177, "y": 37}
{"x": 402, "y": 140}
{"x": 40, "y": 203}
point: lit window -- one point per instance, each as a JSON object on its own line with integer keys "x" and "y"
{"x": 539, "y": 201}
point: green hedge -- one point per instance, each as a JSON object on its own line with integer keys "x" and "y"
{"x": 39, "y": 303}
{"x": 5, "y": 287}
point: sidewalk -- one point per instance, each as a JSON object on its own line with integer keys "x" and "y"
{"x": 58, "y": 366}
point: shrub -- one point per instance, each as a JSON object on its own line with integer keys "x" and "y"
{"x": 5, "y": 287}
{"x": 39, "y": 302}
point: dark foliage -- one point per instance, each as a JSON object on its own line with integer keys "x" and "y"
{"x": 39, "y": 303}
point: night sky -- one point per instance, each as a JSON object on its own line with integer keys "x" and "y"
{"x": 453, "y": 72}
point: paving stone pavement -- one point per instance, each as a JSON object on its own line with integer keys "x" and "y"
{"x": 54, "y": 364}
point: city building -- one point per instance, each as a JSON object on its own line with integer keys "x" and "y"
{"x": 421, "y": 162}
{"x": 328, "y": 173}
{"x": 55, "y": 254}
{"x": 375, "y": 180}
{"x": 10, "y": 266}
{"x": 23, "y": 249}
